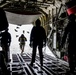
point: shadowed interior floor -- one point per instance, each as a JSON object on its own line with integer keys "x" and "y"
{"x": 51, "y": 66}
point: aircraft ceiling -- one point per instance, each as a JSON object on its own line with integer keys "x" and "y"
{"x": 19, "y": 14}
{"x": 15, "y": 10}
{"x": 20, "y": 19}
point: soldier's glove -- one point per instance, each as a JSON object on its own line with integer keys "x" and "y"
{"x": 44, "y": 44}
{"x": 31, "y": 44}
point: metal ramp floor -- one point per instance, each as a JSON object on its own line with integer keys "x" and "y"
{"x": 51, "y": 66}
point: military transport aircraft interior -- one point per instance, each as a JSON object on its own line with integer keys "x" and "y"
{"x": 36, "y": 37}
